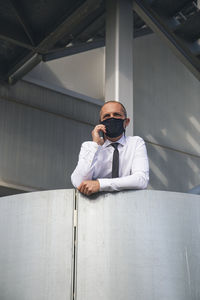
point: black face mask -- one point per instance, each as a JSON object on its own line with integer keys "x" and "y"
{"x": 114, "y": 127}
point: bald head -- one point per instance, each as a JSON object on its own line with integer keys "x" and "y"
{"x": 113, "y": 109}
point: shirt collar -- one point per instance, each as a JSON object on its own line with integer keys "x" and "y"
{"x": 121, "y": 141}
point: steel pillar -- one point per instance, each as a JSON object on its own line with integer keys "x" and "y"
{"x": 119, "y": 55}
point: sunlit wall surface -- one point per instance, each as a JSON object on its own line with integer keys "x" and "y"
{"x": 167, "y": 110}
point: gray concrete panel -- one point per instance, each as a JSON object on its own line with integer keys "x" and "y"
{"x": 166, "y": 112}
{"x": 41, "y": 132}
{"x": 138, "y": 245}
{"x": 36, "y": 236}
{"x": 38, "y": 149}
{"x": 166, "y": 97}
{"x": 48, "y": 100}
{"x": 171, "y": 170}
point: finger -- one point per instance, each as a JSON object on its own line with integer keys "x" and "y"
{"x": 100, "y": 127}
{"x": 79, "y": 187}
{"x": 87, "y": 190}
{"x": 81, "y": 190}
{"x": 84, "y": 189}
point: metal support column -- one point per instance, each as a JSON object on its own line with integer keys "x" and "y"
{"x": 119, "y": 54}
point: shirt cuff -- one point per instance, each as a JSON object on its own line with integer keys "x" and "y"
{"x": 104, "y": 185}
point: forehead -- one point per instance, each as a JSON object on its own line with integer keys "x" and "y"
{"x": 111, "y": 108}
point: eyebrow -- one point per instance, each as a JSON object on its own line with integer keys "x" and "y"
{"x": 105, "y": 115}
{"x": 115, "y": 113}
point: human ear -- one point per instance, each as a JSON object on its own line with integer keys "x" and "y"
{"x": 126, "y": 122}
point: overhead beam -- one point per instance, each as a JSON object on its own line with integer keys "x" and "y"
{"x": 66, "y": 27}
{"x": 86, "y": 27}
{"x": 16, "y": 42}
{"x": 23, "y": 67}
{"x": 17, "y": 10}
{"x": 74, "y": 50}
{"x": 71, "y": 50}
{"x": 92, "y": 30}
{"x": 176, "y": 44}
{"x": 31, "y": 60}
{"x": 142, "y": 32}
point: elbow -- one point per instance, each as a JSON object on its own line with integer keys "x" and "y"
{"x": 74, "y": 181}
{"x": 144, "y": 185}
{"x": 143, "y": 181}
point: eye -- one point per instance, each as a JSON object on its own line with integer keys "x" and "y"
{"x": 117, "y": 115}
{"x": 106, "y": 116}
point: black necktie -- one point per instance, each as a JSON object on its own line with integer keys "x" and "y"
{"x": 115, "y": 162}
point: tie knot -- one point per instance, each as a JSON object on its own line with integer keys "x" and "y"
{"x": 115, "y": 145}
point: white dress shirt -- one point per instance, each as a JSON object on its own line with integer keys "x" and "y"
{"x": 95, "y": 163}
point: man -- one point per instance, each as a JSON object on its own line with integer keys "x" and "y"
{"x": 114, "y": 162}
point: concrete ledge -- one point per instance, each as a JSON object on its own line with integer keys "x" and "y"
{"x": 129, "y": 245}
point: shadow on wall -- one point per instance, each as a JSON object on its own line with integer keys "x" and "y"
{"x": 43, "y": 73}
{"x": 167, "y": 109}
{"x": 172, "y": 170}
{"x": 82, "y": 73}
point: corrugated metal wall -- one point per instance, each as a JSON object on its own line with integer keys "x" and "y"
{"x": 167, "y": 109}
{"x": 40, "y": 135}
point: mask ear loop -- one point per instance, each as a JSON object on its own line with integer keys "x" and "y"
{"x": 125, "y": 128}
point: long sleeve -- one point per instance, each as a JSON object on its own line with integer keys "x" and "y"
{"x": 139, "y": 177}
{"x": 84, "y": 168}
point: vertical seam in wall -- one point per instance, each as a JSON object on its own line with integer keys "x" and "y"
{"x": 74, "y": 245}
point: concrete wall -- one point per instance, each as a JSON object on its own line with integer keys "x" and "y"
{"x": 141, "y": 245}
{"x": 166, "y": 115}
{"x": 167, "y": 109}
{"x": 83, "y": 73}
{"x": 36, "y": 233}
{"x": 40, "y": 136}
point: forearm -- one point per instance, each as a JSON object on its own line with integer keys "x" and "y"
{"x": 78, "y": 177}
{"x": 84, "y": 168}
{"x": 135, "y": 181}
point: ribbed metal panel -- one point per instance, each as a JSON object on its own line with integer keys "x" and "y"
{"x": 172, "y": 170}
{"x": 40, "y": 135}
{"x": 51, "y": 101}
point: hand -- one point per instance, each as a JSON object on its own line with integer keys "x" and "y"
{"x": 89, "y": 187}
{"x": 95, "y": 134}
